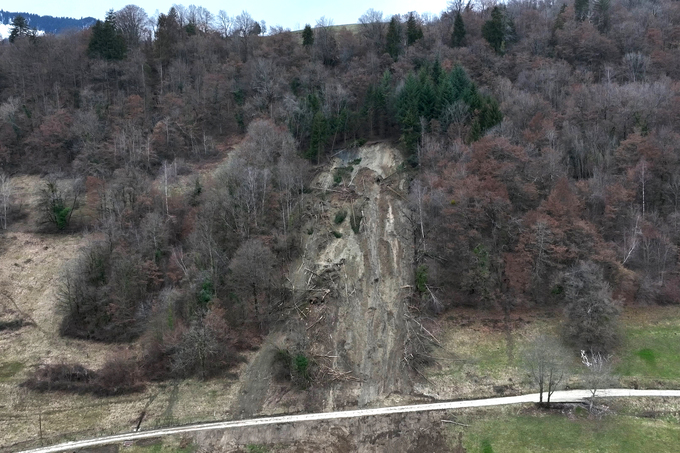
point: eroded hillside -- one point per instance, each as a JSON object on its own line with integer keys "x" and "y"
{"x": 349, "y": 287}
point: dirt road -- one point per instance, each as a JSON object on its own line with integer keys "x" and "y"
{"x": 560, "y": 396}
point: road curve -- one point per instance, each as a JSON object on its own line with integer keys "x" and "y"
{"x": 560, "y": 396}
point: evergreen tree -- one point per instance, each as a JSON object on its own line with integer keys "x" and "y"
{"x": 319, "y": 136}
{"x": 558, "y": 25}
{"x": 168, "y": 32}
{"x": 427, "y": 96}
{"x": 20, "y": 27}
{"x": 393, "y": 38}
{"x": 581, "y": 8}
{"x": 437, "y": 73}
{"x": 459, "y": 81}
{"x": 106, "y": 42}
{"x": 490, "y": 114}
{"x": 308, "y": 36}
{"x": 493, "y": 30}
{"x": 407, "y": 112}
{"x": 413, "y": 31}
{"x": 458, "y": 36}
{"x": 601, "y": 15}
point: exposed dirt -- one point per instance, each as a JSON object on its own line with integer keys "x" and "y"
{"x": 350, "y": 287}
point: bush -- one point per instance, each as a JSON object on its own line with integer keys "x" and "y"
{"x": 340, "y": 217}
{"x": 119, "y": 376}
{"x": 355, "y": 222}
{"x": 282, "y": 365}
{"x": 69, "y": 377}
{"x": 421, "y": 278}
{"x": 337, "y": 234}
{"x": 294, "y": 368}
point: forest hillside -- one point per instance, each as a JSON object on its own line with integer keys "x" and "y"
{"x": 312, "y": 216}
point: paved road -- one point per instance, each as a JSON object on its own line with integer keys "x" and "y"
{"x": 560, "y": 396}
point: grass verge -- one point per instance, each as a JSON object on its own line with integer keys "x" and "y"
{"x": 498, "y": 431}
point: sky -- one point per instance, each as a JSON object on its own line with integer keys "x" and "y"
{"x": 290, "y": 14}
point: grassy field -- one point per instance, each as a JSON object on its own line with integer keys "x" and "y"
{"x": 568, "y": 433}
{"x": 650, "y": 355}
{"x": 481, "y": 357}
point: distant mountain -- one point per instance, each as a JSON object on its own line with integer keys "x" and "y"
{"x": 46, "y": 24}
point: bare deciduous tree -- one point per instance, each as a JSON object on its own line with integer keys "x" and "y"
{"x": 6, "y": 191}
{"x": 598, "y": 372}
{"x": 325, "y": 44}
{"x": 134, "y": 25}
{"x": 225, "y": 23}
{"x": 373, "y": 29}
{"x": 547, "y": 361}
{"x": 251, "y": 273}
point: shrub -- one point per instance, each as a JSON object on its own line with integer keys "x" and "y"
{"x": 355, "y": 222}
{"x": 337, "y": 234}
{"x": 70, "y": 377}
{"x": 421, "y": 278}
{"x": 282, "y": 365}
{"x": 340, "y": 217}
{"x": 119, "y": 376}
{"x": 302, "y": 366}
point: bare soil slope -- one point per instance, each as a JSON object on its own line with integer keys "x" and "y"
{"x": 350, "y": 288}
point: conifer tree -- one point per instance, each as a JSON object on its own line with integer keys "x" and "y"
{"x": 493, "y": 30}
{"x": 558, "y": 25}
{"x": 106, "y": 42}
{"x": 601, "y": 15}
{"x": 458, "y": 36}
{"x": 308, "y": 36}
{"x": 581, "y": 8}
{"x": 319, "y": 136}
{"x": 413, "y": 31}
{"x": 20, "y": 27}
{"x": 393, "y": 38}
{"x": 407, "y": 112}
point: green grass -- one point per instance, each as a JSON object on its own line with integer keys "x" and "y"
{"x": 9, "y": 369}
{"x": 651, "y": 352}
{"x": 557, "y": 433}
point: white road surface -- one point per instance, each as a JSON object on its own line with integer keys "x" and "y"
{"x": 560, "y": 396}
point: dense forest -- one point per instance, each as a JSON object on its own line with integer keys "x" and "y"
{"x": 541, "y": 139}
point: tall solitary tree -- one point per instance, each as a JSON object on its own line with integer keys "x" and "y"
{"x": 458, "y": 36}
